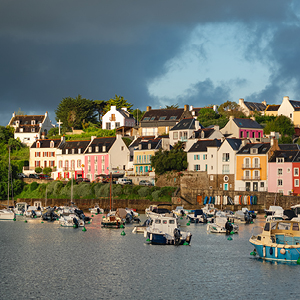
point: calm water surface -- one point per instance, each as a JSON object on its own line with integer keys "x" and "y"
{"x": 46, "y": 261}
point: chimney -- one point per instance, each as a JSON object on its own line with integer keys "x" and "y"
{"x": 216, "y": 127}
{"x": 215, "y": 108}
{"x": 113, "y": 107}
{"x": 286, "y": 98}
{"x": 149, "y": 108}
{"x": 191, "y": 107}
{"x": 231, "y": 118}
{"x": 46, "y": 114}
{"x": 241, "y": 101}
{"x": 197, "y": 125}
{"x": 244, "y": 142}
{"x": 124, "y": 108}
{"x": 264, "y": 102}
{"x": 63, "y": 139}
{"x": 14, "y": 114}
{"x": 252, "y": 118}
{"x": 186, "y": 107}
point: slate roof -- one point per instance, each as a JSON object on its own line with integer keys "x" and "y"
{"x": 163, "y": 115}
{"x": 25, "y": 122}
{"x": 74, "y": 145}
{"x": 126, "y": 114}
{"x": 46, "y": 143}
{"x": 289, "y": 147}
{"x": 288, "y": 155}
{"x": 139, "y": 139}
{"x": 185, "y": 124}
{"x": 295, "y": 104}
{"x": 234, "y": 143}
{"x": 253, "y": 106}
{"x": 144, "y": 145}
{"x": 273, "y": 107}
{"x": 262, "y": 148}
{"x": 207, "y": 133}
{"x": 247, "y": 123}
{"x": 100, "y": 142}
{"x": 201, "y": 145}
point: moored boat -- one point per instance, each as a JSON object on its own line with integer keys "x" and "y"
{"x": 165, "y": 230}
{"x": 7, "y": 214}
{"x": 221, "y": 224}
{"x": 278, "y": 241}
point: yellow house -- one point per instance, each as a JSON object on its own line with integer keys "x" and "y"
{"x": 144, "y": 151}
{"x": 252, "y": 167}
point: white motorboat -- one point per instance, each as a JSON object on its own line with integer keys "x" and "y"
{"x": 70, "y": 220}
{"x": 221, "y": 224}
{"x": 33, "y": 212}
{"x": 7, "y": 214}
{"x": 21, "y": 208}
{"x": 242, "y": 216}
{"x": 96, "y": 210}
{"x": 165, "y": 230}
{"x": 141, "y": 228}
{"x": 198, "y": 216}
{"x": 209, "y": 210}
{"x": 179, "y": 211}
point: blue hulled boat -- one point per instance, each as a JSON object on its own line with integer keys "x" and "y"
{"x": 279, "y": 241}
{"x": 164, "y": 230}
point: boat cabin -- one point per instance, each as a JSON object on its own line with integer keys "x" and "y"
{"x": 163, "y": 224}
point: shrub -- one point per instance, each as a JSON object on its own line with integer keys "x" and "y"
{"x": 117, "y": 190}
{"x": 84, "y": 190}
{"x": 97, "y": 189}
{"x": 144, "y": 191}
{"x": 38, "y": 170}
{"x": 33, "y": 186}
{"x": 57, "y": 187}
{"x": 156, "y": 194}
{"x": 127, "y": 190}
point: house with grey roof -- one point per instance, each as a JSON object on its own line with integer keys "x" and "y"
{"x": 29, "y": 128}
{"x": 290, "y": 109}
{"x": 116, "y": 118}
{"x": 272, "y": 110}
{"x": 249, "y": 108}
{"x": 160, "y": 121}
{"x": 183, "y": 130}
{"x": 243, "y": 128}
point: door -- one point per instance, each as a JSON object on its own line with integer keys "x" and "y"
{"x": 255, "y": 186}
{"x": 247, "y": 186}
{"x": 225, "y": 186}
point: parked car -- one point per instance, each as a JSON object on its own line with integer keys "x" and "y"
{"x": 80, "y": 179}
{"x": 43, "y": 176}
{"x": 35, "y": 176}
{"x": 22, "y": 175}
{"x": 124, "y": 181}
{"x": 145, "y": 182}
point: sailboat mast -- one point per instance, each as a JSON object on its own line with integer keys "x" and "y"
{"x": 110, "y": 187}
{"x": 8, "y": 178}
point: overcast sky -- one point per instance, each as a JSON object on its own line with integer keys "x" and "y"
{"x": 157, "y": 53}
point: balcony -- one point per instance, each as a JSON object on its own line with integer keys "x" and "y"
{"x": 251, "y": 166}
{"x": 251, "y": 178}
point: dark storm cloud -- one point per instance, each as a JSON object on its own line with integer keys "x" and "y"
{"x": 54, "y": 49}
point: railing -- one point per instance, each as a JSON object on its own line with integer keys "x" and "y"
{"x": 251, "y": 166}
{"x": 251, "y": 178}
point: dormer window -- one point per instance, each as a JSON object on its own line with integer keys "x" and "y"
{"x": 38, "y": 144}
{"x": 21, "y": 129}
{"x": 253, "y": 151}
{"x": 32, "y": 129}
{"x": 103, "y": 148}
{"x": 149, "y": 146}
{"x": 279, "y": 160}
{"x": 67, "y": 151}
{"x": 73, "y": 151}
{"x": 32, "y": 122}
{"x": 162, "y": 118}
{"x": 51, "y": 144}
{"x": 79, "y": 150}
{"x": 90, "y": 149}
{"x": 202, "y": 135}
{"x": 97, "y": 149}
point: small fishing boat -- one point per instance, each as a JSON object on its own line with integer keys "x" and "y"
{"x": 7, "y": 214}
{"x": 278, "y": 241}
{"x": 221, "y": 224}
{"x": 165, "y": 231}
{"x": 21, "y": 208}
{"x": 179, "y": 211}
{"x": 242, "y": 216}
{"x": 210, "y": 210}
{"x": 32, "y": 212}
{"x": 96, "y": 210}
{"x": 71, "y": 221}
{"x": 198, "y": 217}
{"x": 112, "y": 221}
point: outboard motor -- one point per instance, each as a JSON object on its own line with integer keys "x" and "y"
{"x": 128, "y": 218}
{"x": 75, "y": 221}
{"x": 98, "y": 210}
{"x": 182, "y": 212}
{"x": 228, "y": 227}
{"x": 177, "y": 236}
{"x": 247, "y": 218}
{"x": 33, "y": 214}
{"x": 204, "y": 218}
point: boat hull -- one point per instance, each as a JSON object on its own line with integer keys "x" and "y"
{"x": 160, "y": 239}
{"x": 275, "y": 253}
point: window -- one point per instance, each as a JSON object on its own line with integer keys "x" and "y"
{"x": 108, "y": 126}
{"x": 256, "y": 162}
{"x": 279, "y": 159}
{"x": 279, "y": 182}
{"x": 32, "y": 130}
{"x": 21, "y": 129}
{"x": 162, "y": 118}
{"x": 256, "y": 175}
{"x": 97, "y": 149}
{"x": 146, "y": 119}
{"x": 90, "y": 149}
{"x": 78, "y": 163}
{"x": 152, "y": 119}
{"x": 296, "y": 182}
{"x": 225, "y": 169}
{"x": 37, "y": 154}
{"x": 67, "y": 164}
{"x": 196, "y": 167}
{"x": 79, "y": 150}
{"x": 175, "y": 135}
{"x": 103, "y": 159}
{"x": 247, "y": 162}
{"x": 38, "y": 144}
{"x": 51, "y": 144}
{"x": 225, "y": 157}
{"x": 204, "y": 156}
{"x": 247, "y": 174}
{"x": 60, "y": 164}
{"x": 288, "y": 170}
{"x": 72, "y": 164}
{"x": 262, "y": 184}
{"x": 279, "y": 171}
{"x": 122, "y": 148}
{"x": 196, "y": 157}
{"x": 296, "y": 172}
{"x": 173, "y": 118}
{"x": 73, "y": 151}
{"x": 113, "y": 117}
{"x": 32, "y": 122}
{"x": 291, "y": 115}
{"x": 117, "y": 124}
{"x": 67, "y": 151}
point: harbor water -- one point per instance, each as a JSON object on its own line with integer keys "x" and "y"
{"x": 46, "y": 261}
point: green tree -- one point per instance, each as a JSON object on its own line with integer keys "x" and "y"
{"x": 207, "y": 114}
{"x": 164, "y": 161}
{"x": 38, "y": 170}
{"x": 172, "y": 106}
{"x": 47, "y": 171}
{"x": 73, "y": 111}
{"x": 99, "y": 106}
{"x": 281, "y": 124}
{"x": 119, "y": 102}
{"x": 230, "y": 108}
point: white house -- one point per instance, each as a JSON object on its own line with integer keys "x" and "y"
{"x": 116, "y": 118}
{"x": 290, "y": 109}
{"x": 30, "y": 128}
